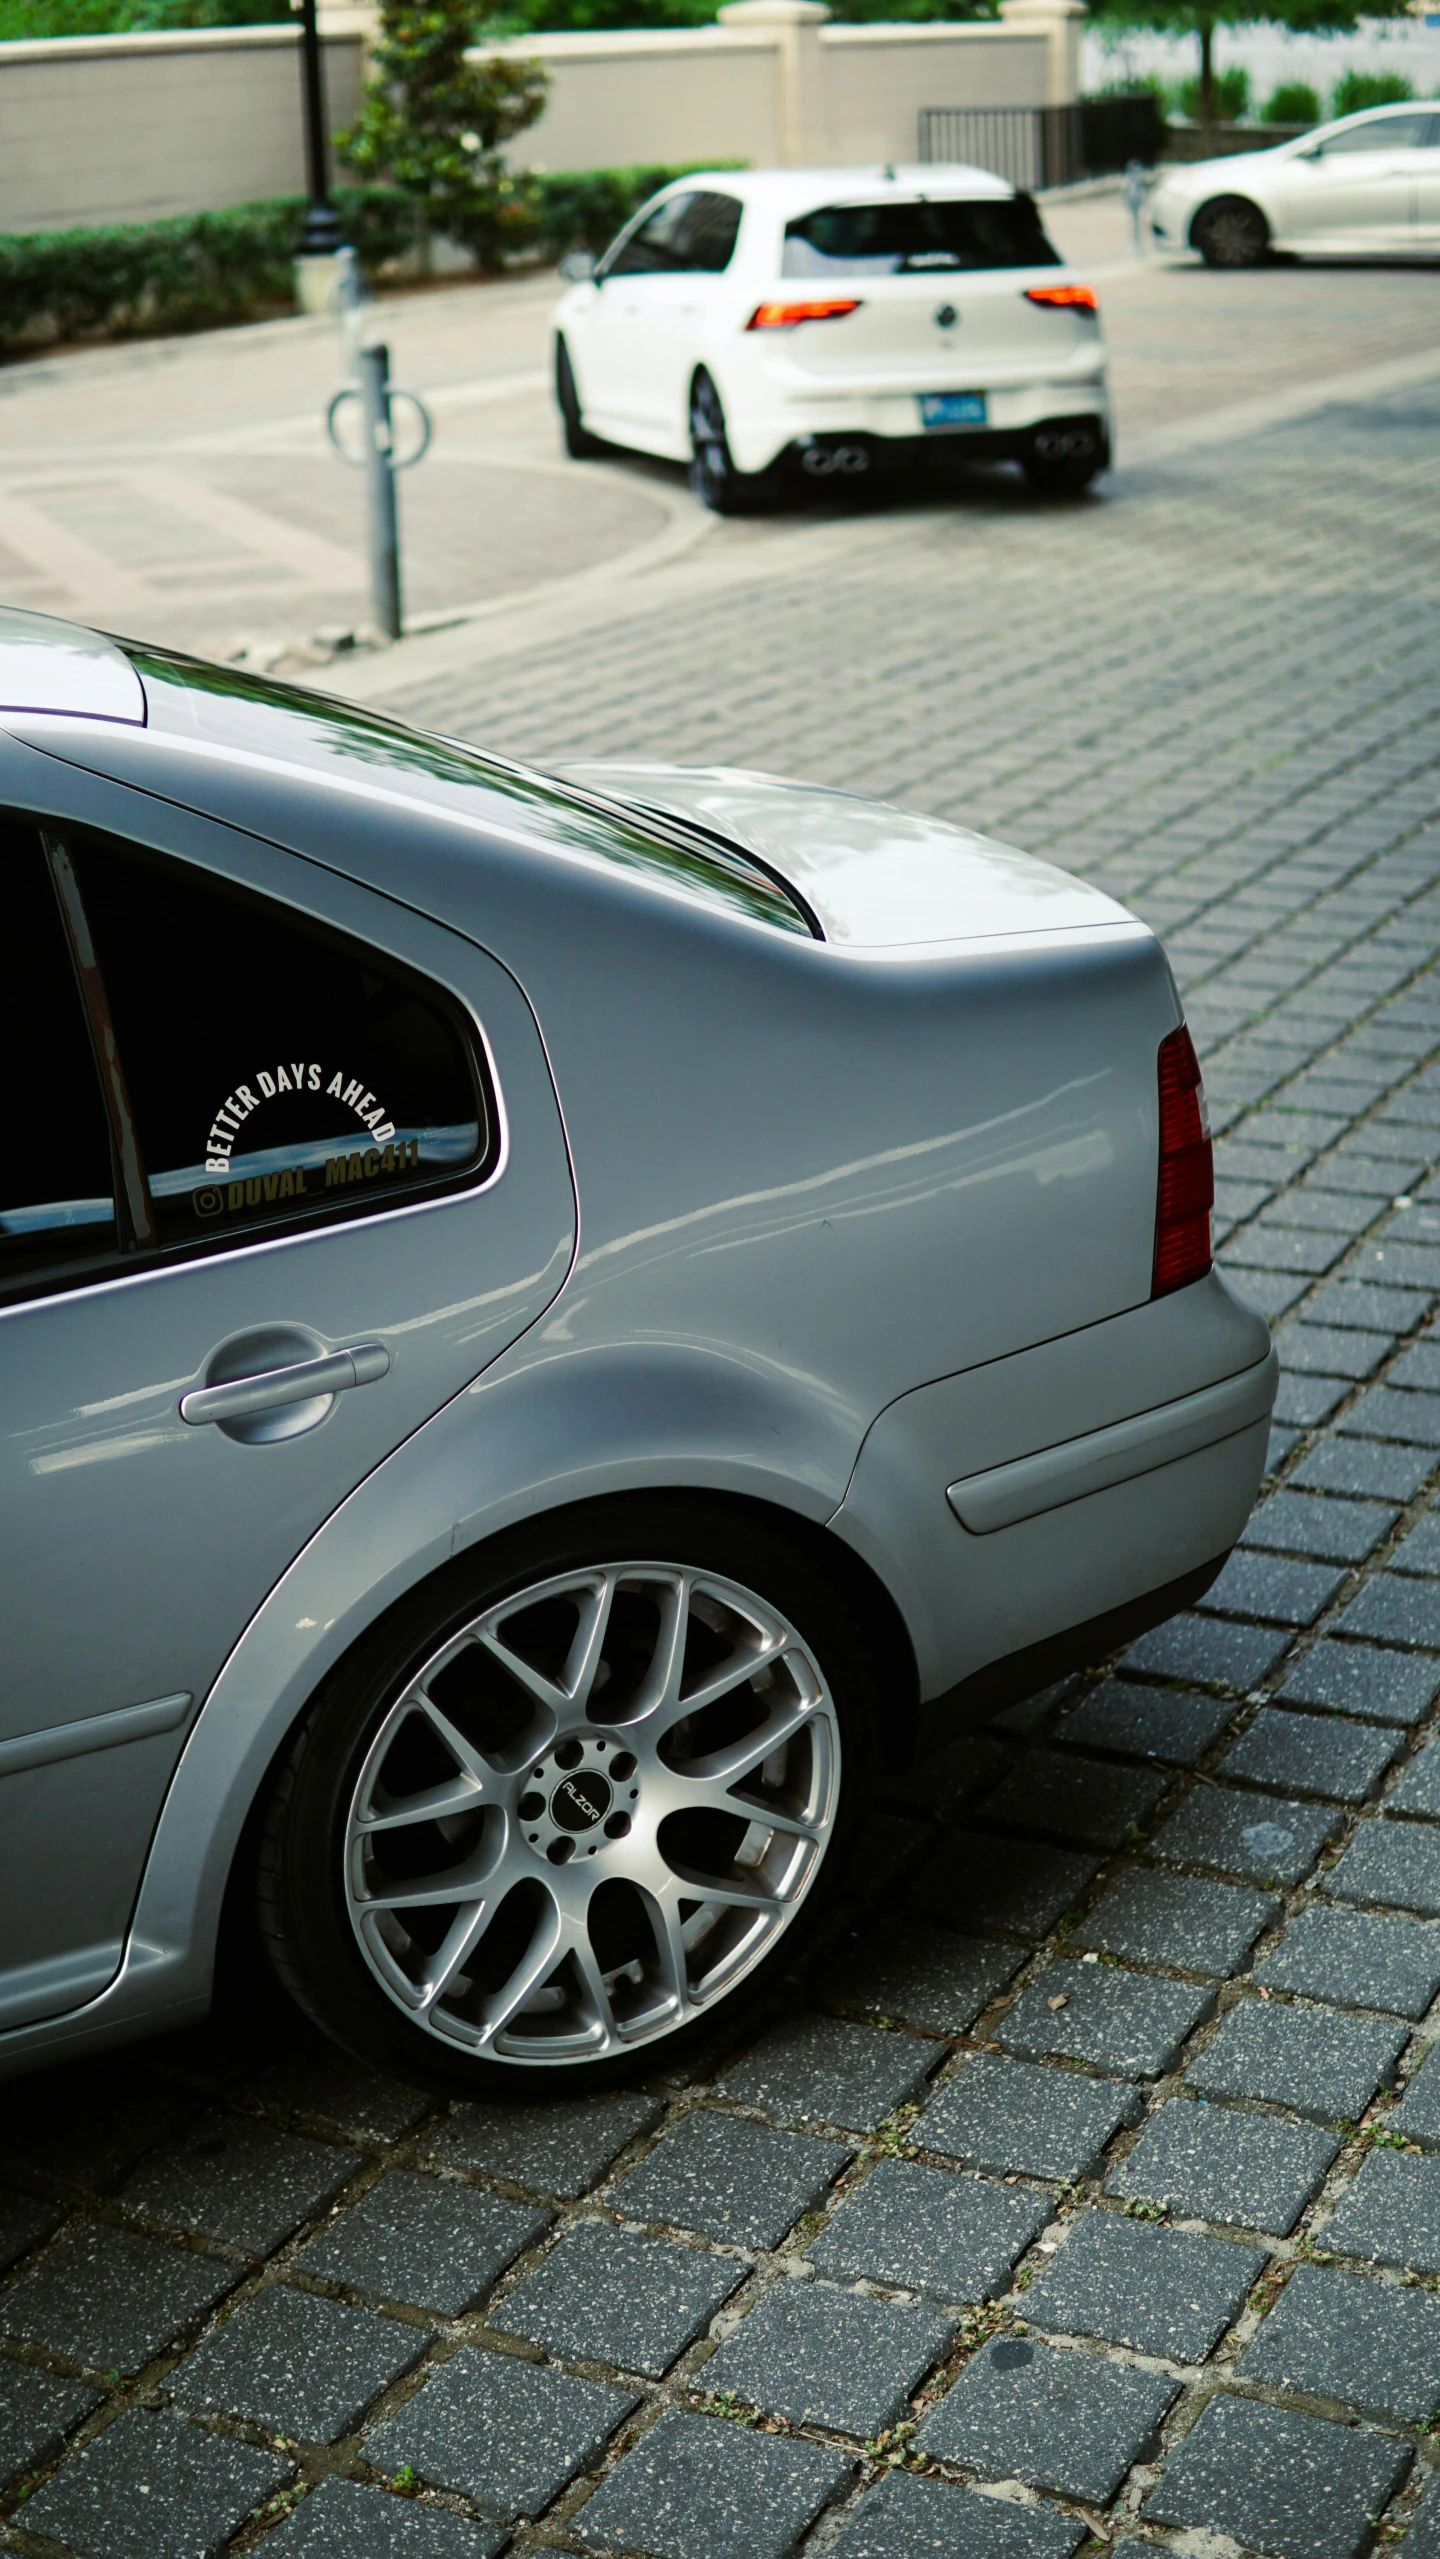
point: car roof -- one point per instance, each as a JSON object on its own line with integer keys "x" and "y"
{"x": 787, "y": 191}
{"x": 1391, "y": 107}
{"x": 47, "y": 665}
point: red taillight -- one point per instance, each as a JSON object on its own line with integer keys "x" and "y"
{"x": 1064, "y": 297}
{"x": 1186, "y": 1190}
{"x": 788, "y": 315}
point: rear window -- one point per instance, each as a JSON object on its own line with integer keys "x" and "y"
{"x": 917, "y": 238}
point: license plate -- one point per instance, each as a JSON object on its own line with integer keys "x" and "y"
{"x": 951, "y": 409}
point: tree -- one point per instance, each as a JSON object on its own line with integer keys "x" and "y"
{"x": 434, "y": 125}
{"x": 1194, "y": 17}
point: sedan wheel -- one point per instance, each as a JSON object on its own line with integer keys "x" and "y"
{"x": 1230, "y": 232}
{"x": 588, "y": 1810}
{"x": 713, "y": 475}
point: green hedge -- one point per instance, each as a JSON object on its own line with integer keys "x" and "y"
{"x": 154, "y": 279}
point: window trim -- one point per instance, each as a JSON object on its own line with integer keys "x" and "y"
{"x": 135, "y": 1259}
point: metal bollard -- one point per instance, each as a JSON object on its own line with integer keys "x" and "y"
{"x": 377, "y": 395}
{"x": 374, "y": 371}
{"x": 1136, "y": 188}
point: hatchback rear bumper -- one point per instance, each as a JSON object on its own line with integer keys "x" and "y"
{"x": 839, "y": 454}
{"x": 768, "y": 418}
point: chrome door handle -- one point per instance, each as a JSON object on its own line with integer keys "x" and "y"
{"x": 360, "y": 1365}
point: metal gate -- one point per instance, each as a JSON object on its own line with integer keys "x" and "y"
{"x": 1028, "y": 146}
{"x": 1046, "y": 146}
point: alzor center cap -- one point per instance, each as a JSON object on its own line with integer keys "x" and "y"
{"x": 579, "y": 1802}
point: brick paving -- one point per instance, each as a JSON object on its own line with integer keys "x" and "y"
{"x": 1094, "y": 2193}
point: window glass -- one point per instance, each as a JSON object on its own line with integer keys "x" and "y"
{"x": 688, "y": 234}
{"x": 1380, "y": 133}
{"x": 275, "y": 1070}
{"x": 57, "y": 1206}
{"x": 653, "y": 249}
{"x": 228, "y": 705}
{"x": 709, "y": 233}
{"x": 901, "y": 237}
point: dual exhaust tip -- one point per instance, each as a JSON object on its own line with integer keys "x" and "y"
{"x": 823, "y": 461}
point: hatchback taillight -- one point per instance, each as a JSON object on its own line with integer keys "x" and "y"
{"x": 1064, "y": 297}
{"x": 1186, "y": 1188}
{"x": 788, "y": 315}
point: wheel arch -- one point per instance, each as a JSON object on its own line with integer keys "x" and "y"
{"x": 831, "y": 1556}
{"x": 1227, "y": 196}
{"x": 533, "y": 1443}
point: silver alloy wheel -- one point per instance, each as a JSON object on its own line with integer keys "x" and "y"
{"x": 592, "y": 1812}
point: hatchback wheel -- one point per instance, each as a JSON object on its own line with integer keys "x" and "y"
{"x": 713, "y": 475}
{"x": 589, "y": 1789}
{"x": 1230, "y": 232}
{"x": 580, "y": 444}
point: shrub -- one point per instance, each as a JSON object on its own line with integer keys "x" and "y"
{"x": 434, "y": 124}
{"x": 198, "y": 271}
{"x": 1294, "y": 102}
{"x": 22, "y": 20}
{"x": 585, "y": 209}
{"x": 1232, "y": 96}
{"x": 1357, "y": 89}
{"x": 207, "y": 270}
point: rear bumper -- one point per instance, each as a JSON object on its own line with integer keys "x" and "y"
{"x": 850, "y": 455}
{"x": 765, "y": 421}
{"x": 1022, "y": 1501}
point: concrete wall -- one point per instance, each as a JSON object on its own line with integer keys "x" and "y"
{"x": 130, "y": 128}
{"x": 772, "y": 82}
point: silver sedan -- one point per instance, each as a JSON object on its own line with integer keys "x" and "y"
{"x": 556, "y": 1330}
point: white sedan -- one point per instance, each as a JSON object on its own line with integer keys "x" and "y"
{"x": 1368, "y": 186}
{"x": 829, "y": 321}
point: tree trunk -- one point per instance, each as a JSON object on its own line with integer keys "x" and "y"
{"x": 1206, "y": 33}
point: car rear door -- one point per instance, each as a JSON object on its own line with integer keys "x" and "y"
{"x": 268, "y": 1121}
{"x": 1356, "y": 189}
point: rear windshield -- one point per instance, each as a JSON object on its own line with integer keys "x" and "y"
{"x": 915, "y": 238}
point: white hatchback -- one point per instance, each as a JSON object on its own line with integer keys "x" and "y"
{"x": 830, "y": 321}
{"x": 1367, "y": 186}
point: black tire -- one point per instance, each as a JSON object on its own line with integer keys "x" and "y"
{"x": 311, "y": 1887}
{"x": 580, "y": 444}
{"x": 713, "y": 476}
{"x": 1065, "y": 456}
{"x": 1230, "y": 231}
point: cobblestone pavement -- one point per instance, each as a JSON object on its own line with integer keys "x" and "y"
{"x": 1093, "y": 2195}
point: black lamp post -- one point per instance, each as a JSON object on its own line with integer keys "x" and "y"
{"x": 320, "y": 234}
